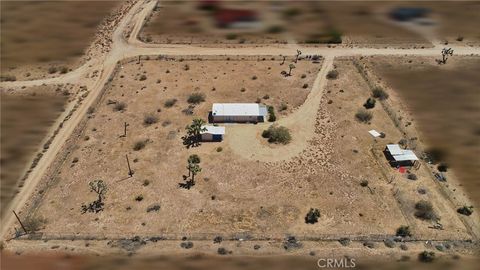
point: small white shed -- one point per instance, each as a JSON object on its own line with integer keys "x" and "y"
{"x": 212, "y": 133}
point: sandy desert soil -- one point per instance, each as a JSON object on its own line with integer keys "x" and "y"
{"x": 265, "y": 200}
{"x": 445, "y": 102}
{"x": 26, "y": 117}
{"x": 32, "y": 44}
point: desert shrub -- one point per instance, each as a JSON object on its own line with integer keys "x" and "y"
{"x": 303, "y": 76}
{"x": 275, "y": 29}
{"x": 335, "y": 36}
{"x": 34, "y": 223}
{"x": 222, "y": 251}
{"x": 8, "y": 78}
{"x": 403, "y": 231}
{"x": 271, "y": 114}
{"x": 369, "y": 244}
{"x": 217, "y": 240}
{"x": 186, "y": 245}
{"x": 231, "y": 36}
{"x": 143, "y": 77}
{"x": 196, "y": 98}
{"x": 364, "y": 183}
{"x": 369, "y": 104}
{"x": 150, "y": 120}
{"x": 465, "y": 210}
{"x": 90, "y": 110}
{"x": 312, "y": 216}
{"x": 153, "y": 207}
{"x": 291, "y": 12}
{"x": 170, "y": 102}
{"x": 460, "y": 38}
{"x": 139, "y": 145}
{"x": 344, "y": 241}
{"x": 424, "y": 210}
{"x": 283, "y": 107}
{"x": 411, "y": 176}
{"x": 442, "y": 167}
{"x": 426, "y": 256}
{"x": 379, "y": 93}
{"x": 63, "y": 69}
{"x": 266, "y": 97}
{"x": 332, "y": 74}
{"x": 219, "y": 149}
{"x": 120, "y": 106}
{"x": 277, "y": 134}
{"x": 146, "y": 182}
{"x": 389, "y": 243}
{"x": 52, "y": 70}
{"x": 194, "y": 159}
{"x": 139, "y": 198}
{"x": 363, "y": 116}
{"x": 254, "y": 77}
{"x": 291, "y": 242}
{"x": 305, "y": 86}
{"x": 186, "y": 67}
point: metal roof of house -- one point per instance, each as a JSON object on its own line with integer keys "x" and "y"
{"x": 239, "y": 109}
{"x": 400, "y": 154}
{"x": 214, "y": 130}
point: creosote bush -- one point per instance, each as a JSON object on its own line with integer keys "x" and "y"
{"x": 363, "y": 116}
{"x": 271, "y": 114}
{"x": 170, "y": 102}
{"x": 465, "y": 210}
{"x": 277, "y": 134}
{"x": 143, "y": 77}
{"x": 369, "y": 104}
{"x": 312, "y": 216}
{"x": 120, "y": 106}
{"x": 424, "y": 210}
{"x": 150, "y": 120}
{"x": 196, "y": 98}
{"x": 426, "y": 256}
{"x": 403, "y": 231}
{"x": 379, "y": 93}
{"x": 139, "y": 145}
{"x": 332, "y": 74}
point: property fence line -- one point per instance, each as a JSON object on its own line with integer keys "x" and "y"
{"x": 229, "y": 237}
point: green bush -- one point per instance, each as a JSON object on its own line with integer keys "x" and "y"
{"x": 196, "y": 98}
{"x": 369, "y": 104}
{"x": 465, "y": 210}
{"x": 379, "y": 93}
{"x": 52, "y": 70}
{"x": 312, "y": 216}
{"x": 119, "y": 106}
{"x": 271, "y": 114}
{"x": 404, "y": 231}
{"x": 277, "y": 134}
{"x": 231, "y": 36}
{"x": 275, "y": 29}
{"x": 426, "y": 256}
{"x": 363, "y": 116}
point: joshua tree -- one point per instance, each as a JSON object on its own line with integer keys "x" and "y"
{"x": 298, "y": 54}
{"x": 445, "y": 53}
{"x": 291, "y": 66}
{"x": 99, "y": 187}
{"x": 193, "y": 132}
{"x": 193, "y": 168}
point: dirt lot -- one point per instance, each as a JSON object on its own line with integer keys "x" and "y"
{"x": 31, "y": 43}
{"x": 26, "y": 117}
{"x": 267, "y": 199}
{"x": 444, "y": 101}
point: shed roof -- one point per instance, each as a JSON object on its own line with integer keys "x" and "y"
{"x": 400, "y": 154}
{"x": 214, "y": 130}
{"x": 238, "y": 109}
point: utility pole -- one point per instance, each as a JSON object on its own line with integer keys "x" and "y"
{"x": 23, "y": 227}
{"x": 130, "y": 172}
{"x": 125, "y": 130}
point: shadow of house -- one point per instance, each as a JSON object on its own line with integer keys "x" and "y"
{"x": 404, "y": 14}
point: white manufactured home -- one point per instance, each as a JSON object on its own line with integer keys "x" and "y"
{"x": 212, "y": 133}
{"x": 238, "y": 112}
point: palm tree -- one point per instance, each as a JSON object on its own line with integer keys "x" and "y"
{"x": 291, "y": 66}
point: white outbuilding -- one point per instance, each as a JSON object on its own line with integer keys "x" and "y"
{"x": 400, "y": 157}
{"x": 238, "y": 112}
{"x": 212, "y": 133}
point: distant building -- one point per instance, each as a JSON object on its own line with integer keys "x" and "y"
{"x": 408, "y": 13}
{"x": 236, "y": 18}
{"x": 238, "y": 112}
{"x": 213, "y": 134}
{"x": 399, "y": 157}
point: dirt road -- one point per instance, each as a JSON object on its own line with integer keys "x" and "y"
{"x": 299, "y": 122}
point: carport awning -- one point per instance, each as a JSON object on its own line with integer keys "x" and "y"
{"x": 213, "y": 130}
{"x": 394, "y": 149}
